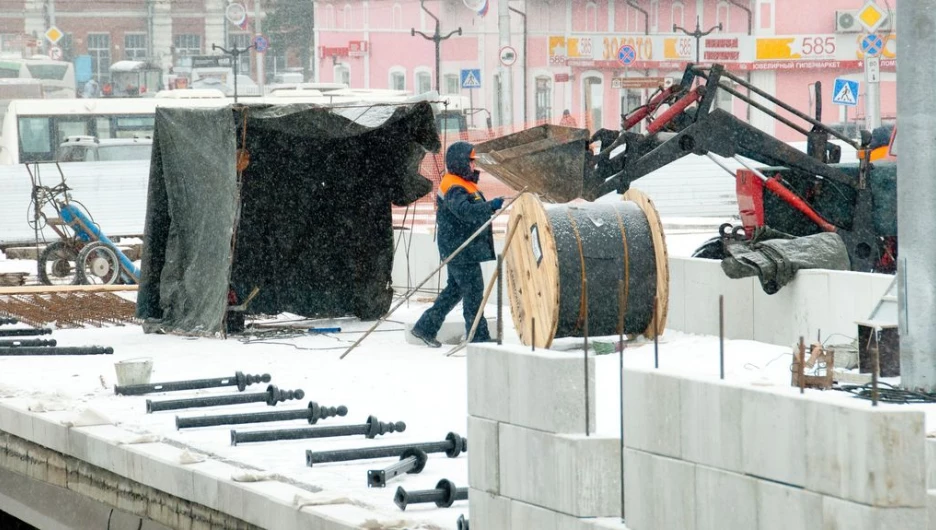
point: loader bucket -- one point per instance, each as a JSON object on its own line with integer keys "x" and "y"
{"x": 548, "y": 160}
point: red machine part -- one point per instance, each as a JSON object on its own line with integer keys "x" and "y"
{"x": 750, "y": 189}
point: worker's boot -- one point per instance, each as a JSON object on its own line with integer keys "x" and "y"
{"x": 421, "y": 335}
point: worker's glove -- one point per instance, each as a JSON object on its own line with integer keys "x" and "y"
{"x": 497, "y": 204}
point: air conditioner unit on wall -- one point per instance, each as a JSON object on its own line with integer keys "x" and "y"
{"x": 846, "y": 21}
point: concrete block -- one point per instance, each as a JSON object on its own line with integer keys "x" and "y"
{"x": 773, "y": 432}
{"x": 488, "y": 511}
{"x": 16, "y": 420}
{"x": 724, "y": 501}
{"x": 523, "y": 515}
{"x": 488, "y": 382}
{"x": 605, "y": 523}
{"x": 659, "y": 492}
{"x": 98, "y": 445}
{"x": 205, "y": 477}
{"x": 812, "y": 306}
{"x": 572, "y": 474}
{"x": 157, "y": 466}
{"x": 652, "y": 417}
{"x": 871, "y": 456}
{"x": 269, "y": 504}
{"x": 774, "y": 322}
{"x": 48, "y": 431}
{"x": 547, "y": 390}
{"x": 931, "y": 510}
{"x": 781, "y": 507}
{"x": 704, "y": 282}
{"x": 838, "y": 514}
{"x": 676, "y": 315}
{"x": 931, "y": 463}
{"x": 483, "y": 459}
{"x": 710, "y": 413}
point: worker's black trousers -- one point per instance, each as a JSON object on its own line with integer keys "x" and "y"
{"x": 465, "y": 284}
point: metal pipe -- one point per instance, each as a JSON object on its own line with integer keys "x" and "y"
{"x": 271, "y": 397}
{"x": 240, "y": 380}
{"x": 500, "y": 300}
{"x": 27, "y": 342}
{"x": 444, "y": 495}
{"x": 24, "y": 332}
{"x": 6, "y": 320}
{"x": 50, "y": 350}
{"x": 763, "y": 109}
{"x": 802, "y": 365}
{"x": 452, "y": 446}
{"x": 585, "y": 355}
{"x": 721, "y": 335}
{"x": 645, "y": 14}
{"x": 412, "y": 462}
{"x": 656, "y": 334}
{"x": 313, "y": 413}
{"x": 621, "y": 300}
{"x": 526, "y": 90}
{"x": 371, "y": 429}
{"x": 750, "y": 26}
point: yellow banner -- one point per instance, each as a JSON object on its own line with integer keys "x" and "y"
{"x": 677, "y": 48}
{"x": 773, "y": 49}
{"x": 563, "y": 47}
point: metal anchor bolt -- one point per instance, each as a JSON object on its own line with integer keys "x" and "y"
{"x": 412, "y": 461}
{"x": 313, "y": 413}
{"x": 444, "y": 495}
{"x": 5, "y": 320}
{"x": 271, "y": 397}
{"x": 50, "y": 350}
{"x": 462, "y": 522}
{"x": 452, "y": 446}
{"x": 371, "y": 429}
{"x": 24, "y": 332}
{"x": 240, "y": 380}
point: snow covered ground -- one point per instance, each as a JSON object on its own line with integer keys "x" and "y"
{"x": 385, "y": 377}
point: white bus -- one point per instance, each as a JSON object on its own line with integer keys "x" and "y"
{"x": 57, "y": 77}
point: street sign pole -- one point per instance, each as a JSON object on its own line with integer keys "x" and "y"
{"x": 872, "y": 66}
{"x": 261, "y": 57}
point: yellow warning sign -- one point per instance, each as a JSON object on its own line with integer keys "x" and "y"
{"x": 54, "y": 35}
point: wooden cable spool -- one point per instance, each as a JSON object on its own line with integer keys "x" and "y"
{"x": 559, "y": 247}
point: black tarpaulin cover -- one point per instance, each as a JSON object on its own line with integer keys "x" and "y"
{"x": 310, "y": 218}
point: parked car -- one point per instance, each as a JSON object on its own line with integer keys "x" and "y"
{"x": 91, "y": 149}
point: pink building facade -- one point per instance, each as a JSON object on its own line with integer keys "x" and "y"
{"x": 572, "y": 53}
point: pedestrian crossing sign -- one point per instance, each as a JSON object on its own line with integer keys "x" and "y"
{"x": 471, "y": 78}
{"x": 845, "y": 92}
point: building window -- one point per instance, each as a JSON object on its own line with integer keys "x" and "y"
{"x": 187, "y": 44}
{"x": 630, "y": 100}
{"x": 634, "y": 20}
{"x": 678, "y": 12}
{"x": 397, "y": 16}
{"x": 346, "y": 21}
{"x": 591, "y": 17}
{"x": 240, "y": 41}
{"x": 543, "y": 99}
{"x": 423, "y": 82}
{"x": 99, "y": 50}
{"x": 10, "y": 42}
{"x": 329, "y": 18}
{"x": 135, "y": 47}
{"x": 594, "y": 101}
{"x": 452, "y": 84}
{"x": 397, "y": 79}
{"x": 343, "y": 74}
{"x": 722, "y": 14}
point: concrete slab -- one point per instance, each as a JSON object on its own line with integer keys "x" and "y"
{"x": 676, "y": 315}
{"x": 652, "y": 419}
{"x": 773, "y": 433}
{"x": 523, "y": 515}
{"x": 547, "y": 390}
{"x": 841, "y": 514}
{"x": 811, "y": 298}
{"x": 931, "y": 463}
{"x": 724, "y": 501}
{"x": 16, "y": 419}
{"x": 572, "y": 474}
{"x": 488, "y": 511}
{"x": 774, "y": 322}
{"x": 871, "y": 456}
{"x": 659, "y": 492}
{"x": 157, "y": 466}
{"x": 705, "y": 280}
{"x": 488, "y": 382}
{"x": 483, "y": 459}
{"x": 931, "y": 510}
{"x": 48, "y": 430}
{"x": 710, "y": 423}
{"x": 781, "y": 507}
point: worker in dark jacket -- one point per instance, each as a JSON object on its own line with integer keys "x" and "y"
{"x": 461, "y": 211}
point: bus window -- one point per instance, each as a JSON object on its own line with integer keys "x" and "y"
{"x": 71, "y": 127}
{"x": 35, "y": 139}
{"x": 9, "y": 70}
{"x": 103, "y": 127}
{"x": 130, "y": 126}
{"x": 54, "y": 72}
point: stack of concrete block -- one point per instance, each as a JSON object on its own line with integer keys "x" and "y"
{"x": 706, "y": 454}
{"x": 531, "y": 464}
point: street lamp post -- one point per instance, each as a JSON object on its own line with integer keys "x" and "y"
{"x": 698, "y": 34}
{"x": 235, "y": 52}
{"x": 436, "y": 37}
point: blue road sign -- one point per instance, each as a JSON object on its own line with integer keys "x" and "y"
{"x": 845, "y": 92}
{"x": 471, "y": 78}
{"x": 872, "y": 45}
{"x": 261, "y": 43}
{"x": 627, "y": 55}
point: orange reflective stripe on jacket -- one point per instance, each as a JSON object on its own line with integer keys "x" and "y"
{"x": 450, "y": 180}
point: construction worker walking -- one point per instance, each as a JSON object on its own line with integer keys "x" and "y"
{"x": 461, "y": 211}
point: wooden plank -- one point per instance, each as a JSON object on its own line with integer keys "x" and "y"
{"x": 38, "y": 289}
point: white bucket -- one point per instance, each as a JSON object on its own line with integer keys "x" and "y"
{"x": 134, "y": 371}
